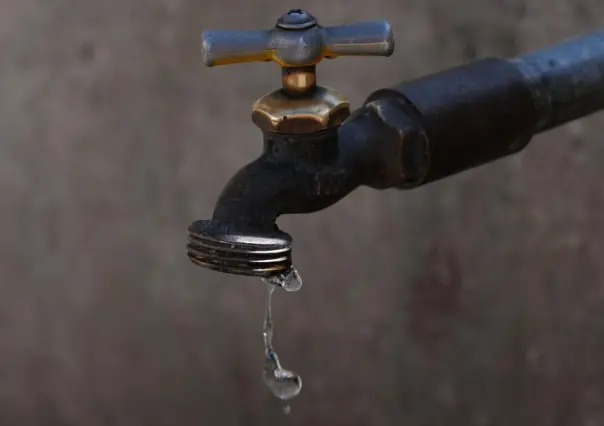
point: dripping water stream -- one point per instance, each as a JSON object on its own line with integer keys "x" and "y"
{"x": 284, "y": 384}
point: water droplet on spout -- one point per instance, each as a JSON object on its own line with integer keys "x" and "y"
{"x": 290, "y": 280}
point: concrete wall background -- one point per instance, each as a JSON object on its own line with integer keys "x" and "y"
{"x": 474, "y": 301}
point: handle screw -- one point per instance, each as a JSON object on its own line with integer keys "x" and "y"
{"x": 296, "y": 19}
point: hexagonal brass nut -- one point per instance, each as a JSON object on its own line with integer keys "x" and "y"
{"x": 278, "y": 112}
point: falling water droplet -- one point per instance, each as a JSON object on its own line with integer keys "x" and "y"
{"x": 283, "y": 383}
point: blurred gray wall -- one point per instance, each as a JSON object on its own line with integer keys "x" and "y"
{"x": 474, "y": 301}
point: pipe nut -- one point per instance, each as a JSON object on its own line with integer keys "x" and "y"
{"x": 401, "y": 154}
{"x": 282, "y": 113}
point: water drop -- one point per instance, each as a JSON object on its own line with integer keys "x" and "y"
{"x": 289, "y": 280}
{"x": 283, "y": 383}
{"x": 287, "y": 409}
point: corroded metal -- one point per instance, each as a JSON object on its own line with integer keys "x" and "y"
{"x": 402, "y": 137}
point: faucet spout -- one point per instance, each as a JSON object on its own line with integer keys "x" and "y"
{"x": 295, "y": 174}
{"x": 380, "y": 146}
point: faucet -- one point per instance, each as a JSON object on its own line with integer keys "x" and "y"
{"x": 316, "y": 151}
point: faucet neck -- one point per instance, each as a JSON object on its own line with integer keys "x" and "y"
{"x": 312, "y": 149}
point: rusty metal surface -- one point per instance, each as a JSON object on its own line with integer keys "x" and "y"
{"x": 474, "y": 301}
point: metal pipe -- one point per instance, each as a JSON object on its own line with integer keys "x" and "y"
{"x": 480, "y": 112}
{"x": 567, "y": 80}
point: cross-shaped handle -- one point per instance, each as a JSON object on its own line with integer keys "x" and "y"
{"x": 297, "y": 41}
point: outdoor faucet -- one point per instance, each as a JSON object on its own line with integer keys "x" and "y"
{"x": 316, "y": 151}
